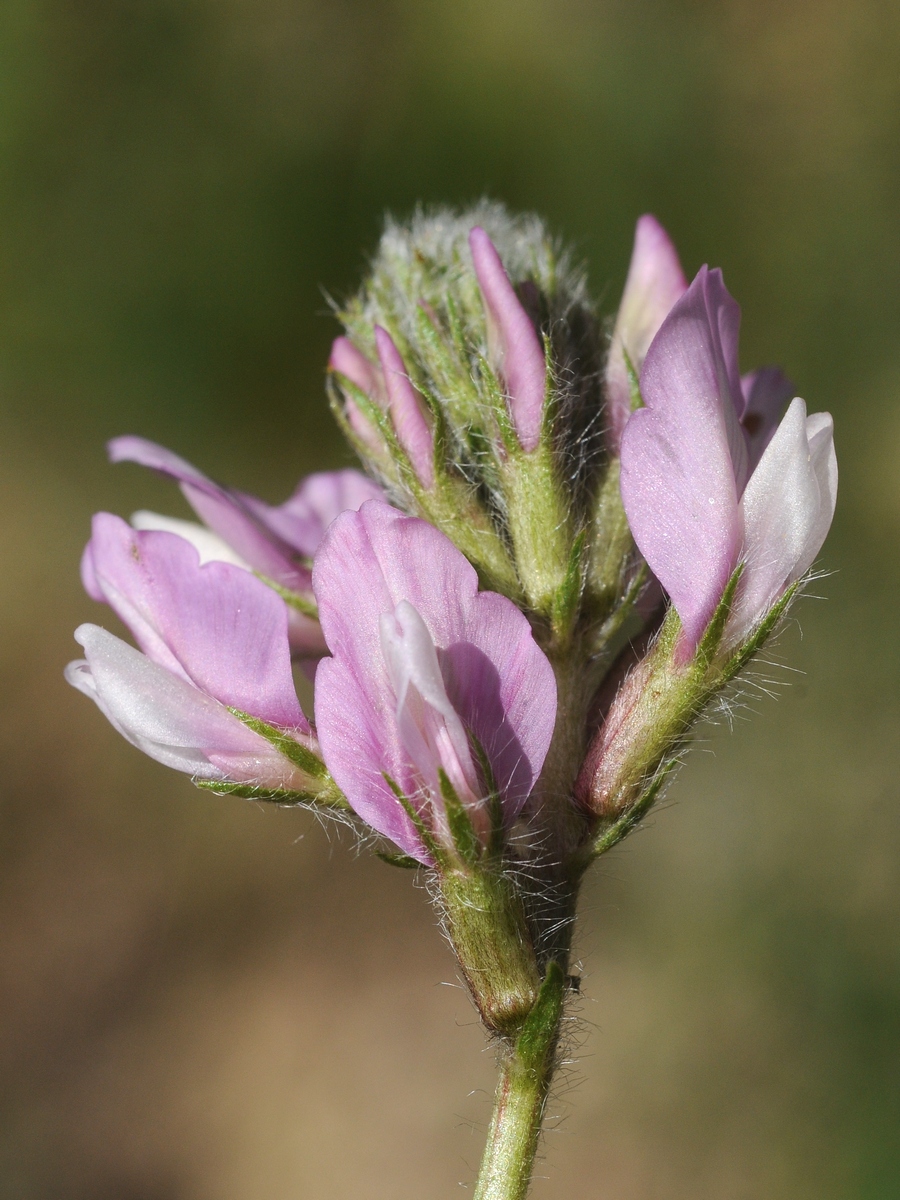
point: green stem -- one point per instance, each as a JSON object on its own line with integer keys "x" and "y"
{"x": 513, "y": 1138}
{"x": 526, "y": 1070}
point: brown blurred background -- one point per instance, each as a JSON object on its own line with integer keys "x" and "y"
{"x": 203, "y": 1000}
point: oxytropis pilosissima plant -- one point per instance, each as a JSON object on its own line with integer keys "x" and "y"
{"x": 568, "y": 541}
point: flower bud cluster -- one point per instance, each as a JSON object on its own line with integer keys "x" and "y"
{"x": 542, "y": 504}
{"x": 471, "y": 383}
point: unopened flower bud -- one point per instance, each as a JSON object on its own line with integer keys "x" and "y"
{"x": 652, "y": 709}
{"x": 407, "y": 409}
{"x": 655, "y": 281}
{"x": 346, "y": 360}
{"x": 478, "y": 338}
{"x": 515, "y": 349}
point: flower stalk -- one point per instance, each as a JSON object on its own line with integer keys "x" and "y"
{"x": 526, "y": 1065}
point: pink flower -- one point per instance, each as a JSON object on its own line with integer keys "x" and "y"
{"x": 211, "y": 638}
{"x": 515, "y": 348}
{"x": 655, "y": 281}
{"x": 425, "y": 670}
{"x": 708, "y": 481}
{"x": 275, "y": 541}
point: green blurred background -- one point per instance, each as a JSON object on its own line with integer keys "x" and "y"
{"x": 202, "y": 1000}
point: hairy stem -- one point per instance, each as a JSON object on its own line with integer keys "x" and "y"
{"x": 515, "y": 1129}
{"x": 526, "y": 1070}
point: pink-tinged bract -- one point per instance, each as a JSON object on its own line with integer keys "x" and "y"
{"x": 513, "y": 341}
{"x": 383, "y": 582}
{"x": 655, "y": 281}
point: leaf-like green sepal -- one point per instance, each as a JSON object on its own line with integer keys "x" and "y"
{"x": 404, "y": 861}
{"x": 465, "y": 839}
{"x": 427, "y": 838}
{"x": 653, "y": 714}
{"x": 540, "y": 519}
{"x": 712, "y": 637}
{"x": 249, "y": 791}
{"x": 634, "y": 382}
{"x": 485, "y": 919}
{"x": 568, "y": 597}
{"x": 454, "y": 506}
{"x": 760, "y": 634}
{"x": 451, "y": 374}
{"x": 653, "y": 710}
{"x": 301, "y": 756}
{"x": 539, "y": 1032}
{"x": 620, "y": 829}
{"x": 499, "y": 407}
{"x": 552, "y": 395}
{"x": 608, "y": 594}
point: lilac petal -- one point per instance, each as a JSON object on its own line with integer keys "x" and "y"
{"x": 302, "y": 520}
{"x": 360, "y": 746}
{"x": 229, "y": 516}
{"x": 209, "y": 546}
{"x": 407, "y": 409}
{"x": 304, "y": 632}
{"x": 430, "y": 729}
{"x": 304, "y": 635}
{"x": 224, "y": 511}
{"x": 497, "y": 679}
{"x": 215, "y": 626}
{"x": 655, "y": 281}
{"x": 169, "y": 719}
{"x": 157, "y": 458}
{"x": 89, "y": 576}
{"x": 329, "y": 493}
{"x": 788, "y": 506}
{"x": 679, "y": 482}
{"x": 723, "y": 318}
{"x": 766, "y": 392}
{"x": 502, "y": 685}
{"x": 515, "y": 346}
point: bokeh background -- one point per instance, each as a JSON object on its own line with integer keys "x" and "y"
{"x": 205, "y": 1000}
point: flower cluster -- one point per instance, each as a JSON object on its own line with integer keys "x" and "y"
{"x": 564, "y": 546}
